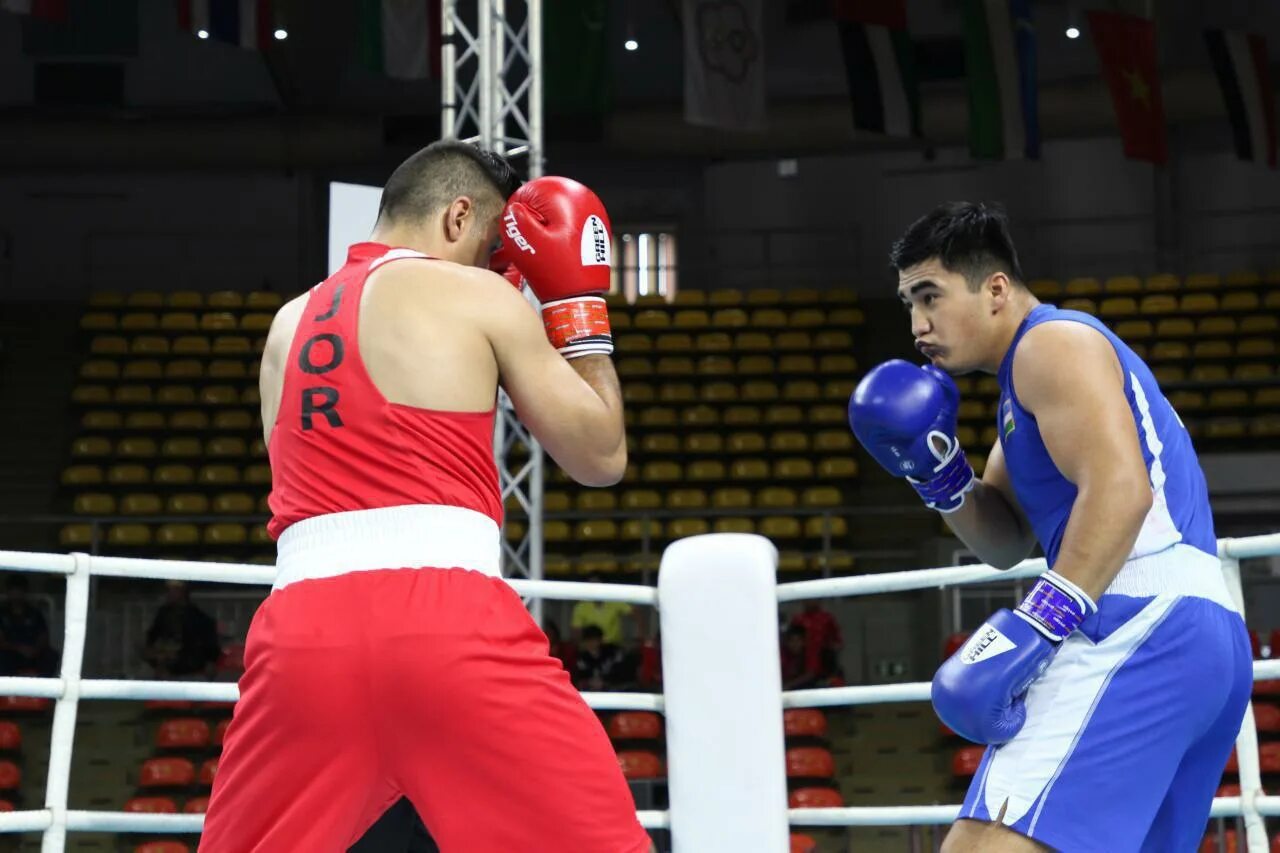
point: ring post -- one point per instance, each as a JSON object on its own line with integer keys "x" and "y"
{"x": 718, "y": 605}
{"x": 64, "y": 711}
{"x": 1255, "y": 830}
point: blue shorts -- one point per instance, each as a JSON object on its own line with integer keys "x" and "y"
{"x": 1130, "y": 727}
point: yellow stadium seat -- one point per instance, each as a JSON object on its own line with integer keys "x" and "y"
{"x": 657, "y": 416}
{"x": 731, "y": 498}
{"x": 1162, "y": 283}
{"x": 1272, "y": 299}
{"x": 1168, "y": 374}
{"x": 1224, "y": 428}
{"x": 661, "y": 472}
{"x": 1265, "y": 426}
{"x": 704, "y": 470}
{"x": 98, "y": 321}
{"x": 225, "y": 533}
{"x": 776, "y": 497}
{"x": 1256, "y": 348}
{"x": 1159, "y": 303}
{"x": 637, "y": 529}
{"x": 1202, "y": 281}
{"x": 1123, "y": 284}
{"x": 596, "y": 563}
{"x": 232, "y": 420}
{"x": 232, "y": 345}
{"x": 94, "y": 503}
{"x": 632, "y": 344}
{"x": 1259, "y": 324}
{"x": 218, "y": 475}
{"x": 687, "y": 318}
{"x": 793, "y": 469}
{"x": 1198, "y": 303}
{"x": 1186, "y": 401}
{"x": 177, "y": 534}
{"x": 733, "y": 525}
{"x": 631, "y": 368}
{"x": 1082, "y": 287}
{"x": 258, "y": 535}
{"x": 759, "y": 391}
{"x": 833, "y": 441}
{"x": 76, "y": 537}
{"x": 255, "y": 321}
{"x": 556, "y": 565}
{"x": 700, "y": 415}
{"x": 652, "y": 319}
{"x": 226, "y": 447}
{"x": 556, "y": 501}
{"x": 679, "y": 528}
{"x": 250, "y": 396}
{"x": 108, "y": 345}
{"x": 136, "y": 448}
{"x": 779, "y": 527}
{"x": 150, "y": 421}
{"x": 184, "y": 299}
{"x": 1221, "y": 399}
{"x": 690, "y": 298}
{"x": 176, "y": 395}
{"x": 139, "y": 321}
{"x": 1080, "y": 304}
{"x": 796, "y": 363}
{"x": 1045, "y": 288}
{"x": 686, "y": 499}
{"x": 784, "y": 415}
{"x": 1241, "y": 301}
{"x": 823, "y": 526}
{"x": 191, "y": 345}
{"x": 1118, "y": 306}
{"x": 90, "y": 447}
{"x": 837, "y": 467}
{"x": 674, "y": 365}
{"x": 1170, "y": 351}
{"x": 846, "y": 317}
{"x": 1211, "y": 350}
{"x": 660, "y": 443}
{"x": 715, "y": 365}
{"x": 620, "y": 320}
{"x": 1175, "y": 327}
{"x": 144, "y": 299}
{"x": 742, "y": 416}
{"x": 596, "y": 530}
{"x": 703, "y": 442}
{"x": 175, "y": 475}
{"x": 129, "y": 535}
{"x": 674, "y": 342}
{"x": 789, "y": 441}
{"x": 838, "y": 389}
{"x": 187, "y": 503}
{"x": 184, "y": 369}
{"x": 636, "y": 499}
{"x": 638, "y": 392}
{"x": 763, "y": 296}
{"x": 677, "y": 392}
{"x": 90, "y": 395}
{"x": 838, "y": 363}
{"x": 746, "y": 342}
{"x": 972, "y": 410}
{"x": 791, "y": 561}
{"x": 128, "y": 474}
{"x": 225, "y": 299}
{"x": 827, "y": 414}
{"x": 188, "y": 419}
{"x": 801, "y": 390}
{"x": 1252, "y": 371}
{"x": 729, "y": 318}
{"x": 554, "y": 530}
{"x": 967, "y": 436}
{"x": 806, "y": 318}
{"x": 152, "y": 345}
{"x": 257, "y": 475}
{"x": 99, "y": 370}
{"x": 179, "y": 321}
{"x": 101, "y": 420}
{"x": 1133, "y": 330}
{"x": 1216, "y": 327}
{"x": 746, "y": 442}
{"x": 651, "y": 300}
{"x": 720, "y": 392}
{"x": 768, "y": 318}
{"x": 802, "y": 296}
{"x": 749, "y": 469}
{"x": 1210, "y": 373}
{"x": 1242, "y": 278}
{"x": 224, "y": 368}
{"x": 820, "y": 496}
{"x": 144, "y": 370}
{"x": 263, "y": 300}
{"x": 793, "y": 342}
{"x": 106, "y": 299}
{"x": 756, "y": 365}
{"x": 219, "y": 395}
{"x": 217, "y": 321}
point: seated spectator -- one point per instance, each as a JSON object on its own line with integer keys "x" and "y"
{"x": 797, "y": 674}
{"x": 24, "y": 634}
{"x": 600, "y": 666}
{"x": 605, "y": 615}
{"x": 564, "y": 652}
{"x": 183, "y": 639}
{"x": 822, "y": 639}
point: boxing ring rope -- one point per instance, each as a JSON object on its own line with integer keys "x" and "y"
{"x": 55, "y": 819}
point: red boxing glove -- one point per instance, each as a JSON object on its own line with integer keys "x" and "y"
{"x": 557, "y": 232}
{"x": 507, "y": 270}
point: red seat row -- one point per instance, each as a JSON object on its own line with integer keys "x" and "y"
{"x": 166, "y": 805}
{"x": 175, "y": 773}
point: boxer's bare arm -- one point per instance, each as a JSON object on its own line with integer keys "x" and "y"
{"x": 573, "y": 407}
{"x": 274, "y": 355}
{"x": 991, "y": 523}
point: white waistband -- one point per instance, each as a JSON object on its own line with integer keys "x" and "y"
{"x": 416, "y": 536}
{"x": 1177, "y": 570}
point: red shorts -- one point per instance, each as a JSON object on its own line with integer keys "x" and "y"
{"x": 435, "y": 684}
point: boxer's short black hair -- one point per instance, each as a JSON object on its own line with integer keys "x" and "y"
{"x": 592, "y": 632}
{"x": 444, "y": 170}
{"x": 968, "y": 238}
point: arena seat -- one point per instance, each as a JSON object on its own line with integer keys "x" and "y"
{"x": 635, "y": 725}
{"x": 139, "y": 321}
{"x": 733, "y": 524}
{"x": 1266, "y": 717}
{"x": 176, "y": 395}
{"x": 1202, "y": 281}
{"x": 679, "y": 528}
{"x": 165, "y": 846}
{"x": 837, "y": 468}
{"x": 129, "y": 535}
{"x": 703, "y": 442}
{"x": 1269, "y": 756}
{"x": 780, "y": 528}
{"x": 804, "y": 722}
{"x": 1082, "y": 287}
{"x": 731, "y": 498}
{"x": 640, "y": 499}
{"x": 713, "y": 392}
{"x": 596, "y": 530}
{"x": 793, "y": 342}
{"x": 810, "y": 762}
{"x": 1255, "y": 324}
{"x": 1158, "y": 303}
{"x": 196, "y": 805}
{"x": 1118, "y": 306}
{"x": 815, "y": 798}
{"x": 965, "y": 761}
{"x": 1088, "y": 306}
{"x": 172, "y": 535}
{"x": 640, "y": 764}
{"x": 1045, "y": 288}
{"x": 208, "y": 770}
{"x": 953, "y": 643}
{"x": 1211, "y": 350}
{"x": 166, "y": 773}
{"x": 1122, "y": 284}
{"x": 690, "y": 297}
{"x": 638, "y": 529}
{"x": 837, "y": 363}
{"x": 151, "y": 805}
{"x": 686, "y": 499}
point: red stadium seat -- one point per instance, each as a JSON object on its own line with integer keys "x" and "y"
{"x": 6, "y": 806}
{"x": 1275, "y": 843}
{"x": 1233, "y": 763}
{"x": 1269, "y": 687}
{"x": 1210, "y": 843}
{"x": 207, "y": 771}
{"x": 220, "y": 732}
{"x": 152, "y": 805}
{"x": 810, "y": 762}
{"x": 1255, "y": 643}
{"x": 196, "y": 805}
{"x": 945, "y": 730}
{"x": 168, "y": 705}
{"x": 1274, "y": 642}
{"x": 183, "y": 733}
{"x": 636, "y": 764}
{"x": 815, "y": 798}
{"x": 1269, "y": 756}
{"x": 635, "y": 725}
{"x": 1267, "y": 717}
{"x": 953, "y": 643}
{"x": 10, "y": 776}
{"x": 10, "y": 736}
{"x": 803, "y": 843}
{"x": 965, "y": 761}
{"x": 804, "y": 722}
{"x": 1228, "y": 791}
{"x": 166, "y": 773}
{"x": 162, "y": 847}
{"x": 20, "y": 704}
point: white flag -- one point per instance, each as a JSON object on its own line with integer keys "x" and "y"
{"x": 724, "y": 63}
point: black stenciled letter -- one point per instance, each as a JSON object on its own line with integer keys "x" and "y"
{"x": 306, "y": 365}
{"x": 326, "y": 405}
{"x": 333, "y": 309}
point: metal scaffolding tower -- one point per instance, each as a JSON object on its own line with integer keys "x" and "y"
{"x": 491, "y": 94}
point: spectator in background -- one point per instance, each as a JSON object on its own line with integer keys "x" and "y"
{"x": 796, "y": 671}
{"x": 600, "y": 665}
{"x": 24, "y": 633}
{"x": 605, "y": 615}
{"x": 822, "y": 639}
{"x": 182, "y": 639}
{"x": 564, "y": 652}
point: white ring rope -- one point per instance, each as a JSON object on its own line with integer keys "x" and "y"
{"x": 55, "y": 820}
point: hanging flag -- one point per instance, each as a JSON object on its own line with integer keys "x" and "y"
{"x": 1240, "y": 61}
{"x": 246, "y": 23}
{"x": 49, "y": 10}
{"x": 724, "y": 64}
{"x": 1126, "y": 45}
{"x": 401, "y": 38}
{"x": 1000, "y": 64}
{"x": 880, "y": 63}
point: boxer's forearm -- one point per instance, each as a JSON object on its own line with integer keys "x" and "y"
{"x": 991, "y": 528}
{"x": 1105, "y": 521}
{"x": 598, "y": 372}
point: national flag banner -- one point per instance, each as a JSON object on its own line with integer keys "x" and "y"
{"x": 724, "y": 63}
{"x": 1126, "y": 45}
{"x": 1000, "y": 65}
{"x": 401, "y": 38}
{"x": 48, "y": 10}
{"x": 246, "y": 23}
{"x": 1240, "y": 62}
{"x": 879, "y": 61}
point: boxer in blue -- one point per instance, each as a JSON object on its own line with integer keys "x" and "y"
{"x": 1110, "y": 698}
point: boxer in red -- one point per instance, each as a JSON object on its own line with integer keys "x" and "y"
{"x": 390, "y": 657}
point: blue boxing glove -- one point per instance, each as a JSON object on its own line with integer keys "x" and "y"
{"x": 980, "y": 691}
{"x": 905, "y": 416}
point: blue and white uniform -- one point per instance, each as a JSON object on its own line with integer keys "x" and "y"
{"x": 1130, "y": 727}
